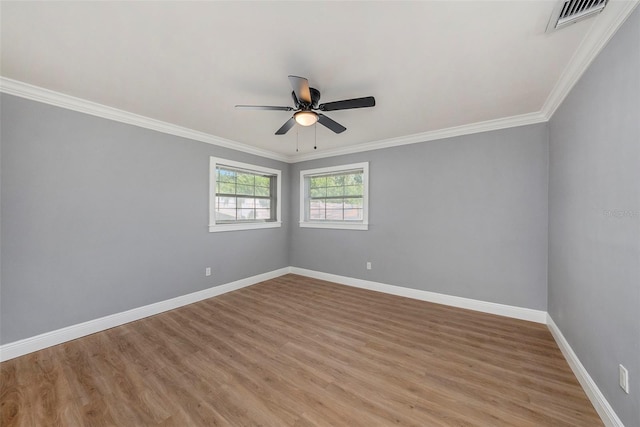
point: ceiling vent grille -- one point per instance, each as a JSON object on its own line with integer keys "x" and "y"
{"x": 568, "y": 12}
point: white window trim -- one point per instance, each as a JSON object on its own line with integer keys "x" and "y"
{"x": 339, "y": 225}
{"x": 213, "y": 227}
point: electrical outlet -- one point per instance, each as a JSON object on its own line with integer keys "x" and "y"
{"x": 207, "y": 271}
{"x": 368, "y": 265}
{"x": 624, "y": 378}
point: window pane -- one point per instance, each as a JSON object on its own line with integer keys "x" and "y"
{"x": 318, "y": 181}
{"x": 225, "y": 202}
{"x": 244, "y": 190}
{"x": 226, "y": 215}
{"x": 263, "y": 203}
{"x": 226, "y": 188}
{"x": 353, "y": 179}
{"x": 335, "y": 181}
{"x": 263, "y": 214}
{"x": 353, "y": 214}
{"x": 318, "y": 192}
{"x": 246, "y": 213}
{"x": 225, "y": 175}
{"x": 316, "y": 214}
{"x": 335, "y": 191}
{"x": 334, "y": 214}
{"x": 353, "y": 203}
{"x": 334, "y": 203}
{"x": 263, "y": 181}
{"x": 353, "y": 190}
{"x": 245, "y": 179}
{"x": 316, "y": 204}
{"x": 262, "y": 191}
{"x": 246, "y": 203}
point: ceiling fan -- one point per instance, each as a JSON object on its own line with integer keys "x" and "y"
{"x": 305, "y": 101}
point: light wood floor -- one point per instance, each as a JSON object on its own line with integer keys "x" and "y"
{"x": 295, "y": 351}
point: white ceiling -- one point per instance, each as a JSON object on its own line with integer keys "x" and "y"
{"x": 430, "y": 65}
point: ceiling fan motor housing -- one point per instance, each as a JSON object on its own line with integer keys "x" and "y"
{"x": 315, "y": 98}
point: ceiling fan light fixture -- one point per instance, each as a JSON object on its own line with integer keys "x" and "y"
{"x": 305, "y": 118}
{"x": 305, "y": 100}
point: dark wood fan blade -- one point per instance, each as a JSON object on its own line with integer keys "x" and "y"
{"x": 296, "y": 103}
{"x": 264, "y": 107}
{"x": 347, "y": 104}
{"x": 300, "y": 87}
{"x": 286, "y": 126}
{"x": 331, "y": 124}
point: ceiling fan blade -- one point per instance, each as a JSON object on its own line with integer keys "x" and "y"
{"x": 367, "y": 101}
{"x": 331, "y": 124}
{"x": 264, "y": 107}
{"x": 300, "y": 87}
{"x": 296, "y": 102}
{"x": 286, "y": 126}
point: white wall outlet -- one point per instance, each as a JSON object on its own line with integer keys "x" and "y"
{"x": 368, "y": 265}
{"x": 207, "y": 271}
{"x": 624, "y": 378}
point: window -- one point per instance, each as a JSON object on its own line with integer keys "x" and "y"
{"x": 335, "y": 197}
{"x": 243, "y": 196}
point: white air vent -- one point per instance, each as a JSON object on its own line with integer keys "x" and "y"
{"x": 568, "y": 12}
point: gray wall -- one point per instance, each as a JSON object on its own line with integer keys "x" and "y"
{"x": 464, "y": 216}
{"x": 99, "y": 217}
{"x": 594, "y": 218}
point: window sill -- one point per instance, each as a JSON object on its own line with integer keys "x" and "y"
{"x": 335, "y": 225}
{"x": 248, "y": 226}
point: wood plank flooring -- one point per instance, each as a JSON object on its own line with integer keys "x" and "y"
{"x": 295, "y": 351}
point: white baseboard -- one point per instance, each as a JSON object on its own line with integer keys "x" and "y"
{"x": 596, "y": 397}
{"x": 59, "y": 336}
{"x": 529, "y": 314}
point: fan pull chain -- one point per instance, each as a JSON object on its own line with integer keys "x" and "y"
{"x": 297, "y": 133}
{"x": 315, "y": 136}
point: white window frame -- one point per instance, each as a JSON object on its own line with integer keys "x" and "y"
{"x": 217, "y": 227}
{"x": 340, "y": 225}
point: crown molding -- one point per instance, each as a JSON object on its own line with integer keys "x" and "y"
{"x": 47, "y": 96}
{"x": 602, "y": 30}
{"x": 39, "y": 94}
{"x": 593, "y": 42}
{"x": 489, "y": 125}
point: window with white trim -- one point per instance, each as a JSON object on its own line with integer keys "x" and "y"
{"x": 243, "y": 196}
{"x": 335, "y": 197}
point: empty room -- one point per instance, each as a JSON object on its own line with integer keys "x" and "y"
{"x": 320, "y": 213}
